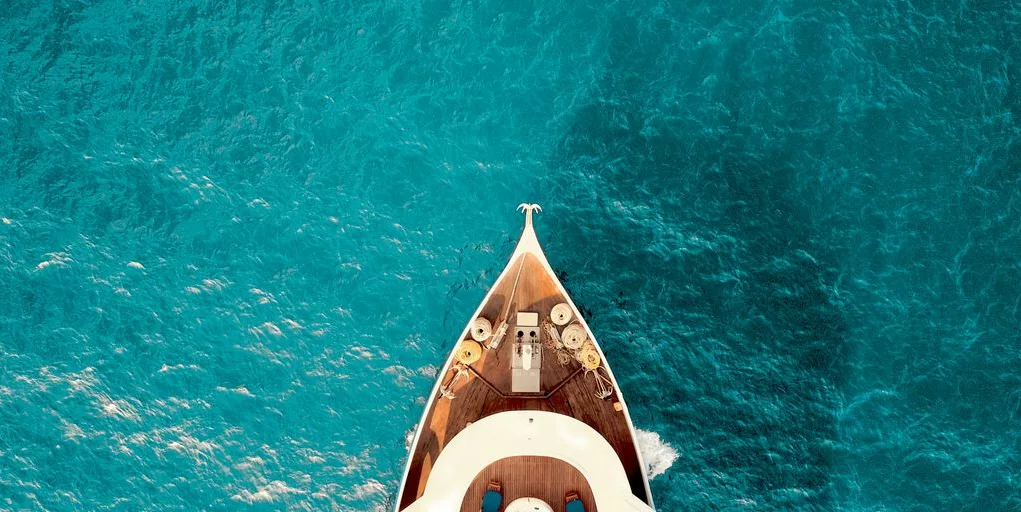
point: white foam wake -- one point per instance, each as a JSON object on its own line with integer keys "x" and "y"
{"x": 658, "y": 455}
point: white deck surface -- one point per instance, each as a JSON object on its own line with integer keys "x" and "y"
{"x": 527, "y": 433}
{"x": 528, "y": 505}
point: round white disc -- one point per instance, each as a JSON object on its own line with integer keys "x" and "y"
{"x": 573, "y": 336}
{"x": 528, "y": 505}
{"x": 482, "y": 329}
{"x": 561, "y": 314}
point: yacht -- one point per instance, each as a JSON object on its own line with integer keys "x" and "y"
{"x": 525, "y": 414}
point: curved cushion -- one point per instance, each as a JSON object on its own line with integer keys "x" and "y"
{"x": 515, "y": 433}
{"x": 491, "y": 501}
{"x": 576, "y": 506}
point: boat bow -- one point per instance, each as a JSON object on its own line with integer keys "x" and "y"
{"x": 539, "y": 373}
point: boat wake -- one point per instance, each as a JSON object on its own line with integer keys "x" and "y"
{"x": 658, "y": 455}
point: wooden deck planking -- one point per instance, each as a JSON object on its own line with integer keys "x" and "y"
{"x": 536, "y": 293}
{"x": 574, "y": 395}
{"x": 545, "y": 478}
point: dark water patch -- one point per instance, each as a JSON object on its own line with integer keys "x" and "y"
{"x": 740, "y": 308}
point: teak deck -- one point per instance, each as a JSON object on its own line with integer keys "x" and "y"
{"x": 565, "y": 389}
{"x": 531, "y": 477}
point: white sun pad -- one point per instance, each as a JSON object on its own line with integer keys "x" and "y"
{"x": 527, "y": 433}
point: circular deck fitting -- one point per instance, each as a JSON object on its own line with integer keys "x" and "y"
{"x": 561, "y": 314}
{"x": 528, "y": 505}
{"x": 482, "y": 329}
{"x": 573, "y": 336}
{"x": 469, "y": 352}
{"x": 589, "y": 358}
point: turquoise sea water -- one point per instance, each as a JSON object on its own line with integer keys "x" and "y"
{"x": 238, "y": 237}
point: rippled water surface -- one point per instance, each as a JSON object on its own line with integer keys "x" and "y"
{"x": 237, "y": 239}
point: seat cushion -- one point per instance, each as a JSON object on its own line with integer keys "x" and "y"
{"x": 575, "y": 506}
{"x": 491, "y": 501}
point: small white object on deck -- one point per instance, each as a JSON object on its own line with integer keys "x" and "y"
{"x": 528, "y": 505}
{"x": 561, "y": 314}
{"x": 526, "y": 369}
{"x": 528, "y": 319}
{"x": 574, "y": 336}
{"x": 526, "y": 363}
{"x": 482, "y": 329}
